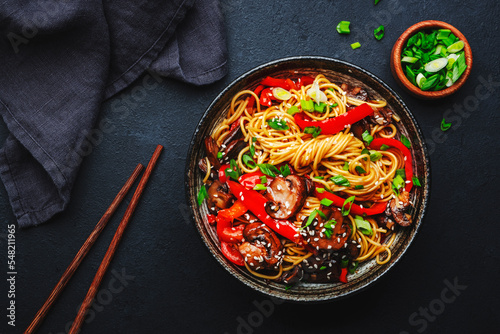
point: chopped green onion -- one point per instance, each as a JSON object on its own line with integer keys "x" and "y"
{"x": 322, "y": 268}
{"x": 293, "y": 110}
{"x": 430, "y": 82}
{"x": 384, "y": 147}
{"x": 234, "y": 171}
{"x": 248, "y": 161}
{"x": 459, "y": 67}
{"x": 278, "y": 124}
{"x": 310, "y": 219}
{"x": 367, "y": 137}
{"x": 405, "y": 141}
{"x": 326, "y": 202}
{"x": 343, "y": 27}
{"x": 263, "y": 179}
{"x": 420, "y": 79}
{"x": 359, "y": 186}
{"x": 360, "y": 170}
{"x": 365, "y": 151}
{"x": 269, "y": 170}
{"x": 321, "y": 214}
{"x": 377, "y": 1}
{"x": 352, "y": 267}
{"x": 455, "y": 47}
{"x": 340, "y": 180}
{"x": 379, "y": 32}
{"x": 314, "y": 130}
{"x": 411, "y": 60}
{"x": 319, "y": 107}
{"x": 202, "y": 194}
{"x": 346, "y": 166}
{"x": 416, "y": 181}
{"x": 335, "y": 105}
{"x": 444, "y": 125}
{"x": 344, "y": 261}
{"x": 254, "y": 139}
{"x": 443, "y": 34}
{"x": 285, "y": 170}
{"x": 356, "y": 45}
{"x": 219, "y": 155}
{"x": 436, "y": 65}
{"x": 401, "y": 172}
{"x": 397, "y": 184}
{"x": 259, "y": 186}
{"x": 252, "y": 148}
{"x": 348, "y": 202}
{"x": 364, "y": 226}
{"x": 320, "y": 190}
{"x": 375, "y": 155}
{"x": 318, "y": 177}
{"x": 307, "y": 105}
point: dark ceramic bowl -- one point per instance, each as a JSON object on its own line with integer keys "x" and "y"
{"x": 335, "y": 70}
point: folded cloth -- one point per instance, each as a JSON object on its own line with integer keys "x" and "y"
{"x": 60, "y": 60}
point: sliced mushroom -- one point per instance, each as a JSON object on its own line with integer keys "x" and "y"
{"x": 292, "y": 276}
{"x": 202, "y": 165}
{"x": 352, "y": 249}
{"x": 382, "y": 116}
{"x": 385, "y": 221}
{"x": 355, "y": 92}
{"x": 262, "y": 248}
{"x": 287, "y": 195}
{"x": 328, "y": 272}
{"x": 234, "y": 134}
{"x": 232, "y": 150}
{"x": 398, "y": 207}
{"x": 219, "y": 196}
{"x": 316, "y": 233}
{"x": 212, "y": 149}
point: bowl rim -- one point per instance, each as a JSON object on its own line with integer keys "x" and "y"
{"x": 397, "y": 68}
{"x": 259, "y": 284}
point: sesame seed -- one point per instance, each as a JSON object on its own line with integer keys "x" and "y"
{"x": 316, "y": 239}
{"x": 329, "y": 247}
{"x": 315, "y": 266}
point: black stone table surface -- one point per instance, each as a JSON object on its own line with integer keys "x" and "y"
{"x": 164, "y": 280}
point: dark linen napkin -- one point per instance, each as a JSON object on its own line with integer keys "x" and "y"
{"x": 59, "y": 60}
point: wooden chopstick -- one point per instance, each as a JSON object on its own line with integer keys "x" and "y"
{"x": 66, "y": 276}
{"x": 77, "y": 323}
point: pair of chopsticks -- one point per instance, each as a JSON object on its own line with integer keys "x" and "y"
{"x": 77, "y": 323}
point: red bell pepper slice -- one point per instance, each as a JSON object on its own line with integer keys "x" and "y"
{"x": 251, "y": 101}
{"x": 222, "y": 173}
{"x": 378, "y": 142}
{"x": 232, "y": 235}
{"x": 226, "y": 216}
{"x": 343, "y": 275}
{"x": 267, "y": 97}
{"x": 333, "y": 125}
{"x": 211, "y": 219}
{"x": 304, "y": 81}
{"x": 275, "y": 82}
{"x": 291, "y": 84}
{"x": 232, "y": 253}
{"x": 355, "y": 208}
{"x": 256, "y": 203}
{"x": 250, "y": 180}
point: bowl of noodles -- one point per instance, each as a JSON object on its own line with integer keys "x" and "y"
{"x": 307, "y": 178}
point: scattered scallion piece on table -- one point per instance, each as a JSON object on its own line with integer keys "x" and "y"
{"x": 445, "y": 125}
{"x": 356, "y": 45}
{"x": 379, "y": 32}
{"x": 343, "y": 27}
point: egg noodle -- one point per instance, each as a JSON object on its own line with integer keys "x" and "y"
{"x": 320, "y": 158}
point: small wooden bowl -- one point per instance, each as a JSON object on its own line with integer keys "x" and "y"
{"x": 397, "y": 69}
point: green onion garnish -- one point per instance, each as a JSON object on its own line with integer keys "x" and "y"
{"x": 202, "y": 194}
{"x": 345, "y": 211}
{"x": 326, "y": 202}
{"x": 320, "y": 107}
{"x": 346, "y": 166}
{"x": 344, "y": 261}
{"x": 278, "y": 124}
{"x": 367, "y": 137}
{"x": 416, "y": 181}
{"x": 384, "y": 147}
{"x": 219, "y": 155}
{"x": 259, "y": 186}
{"x": 234, "y": 171}
{"x": 356, "y": 45}
{"x": 397, "y": 184}
{"x": 340, "y": 180}
{"x": 401, "y": 172}
{"x": 322, "y": 268}
{"x": 293, "y": 110}
{"x": 285, "y": 170}
{"x": 307, "y": 105}
{"x": 319, "y": 177}
{"x": 252, "y": 147}
{"x": 248, "y": 161}
{"x": 343, "y": 27}
{"x": 263, "y": 179}
{"x": 375, "y": 155}
{"x": 364, "y": 226}
{"x": 320, "y": 190}
{"x": 359, "y": 186}
{"x": 379, "y": 32}
{"x": 444, "y": 125}
{"x": 360, "y": 170}
{"x": 352, "y": 267}
{"x": 405, "y": 141}
{"x": 268, "y": 169}
{"x": 314, "y": 130}
{"x": 310, "y": 219}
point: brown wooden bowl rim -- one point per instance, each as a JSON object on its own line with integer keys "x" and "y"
{"x": 397, "y": 68}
